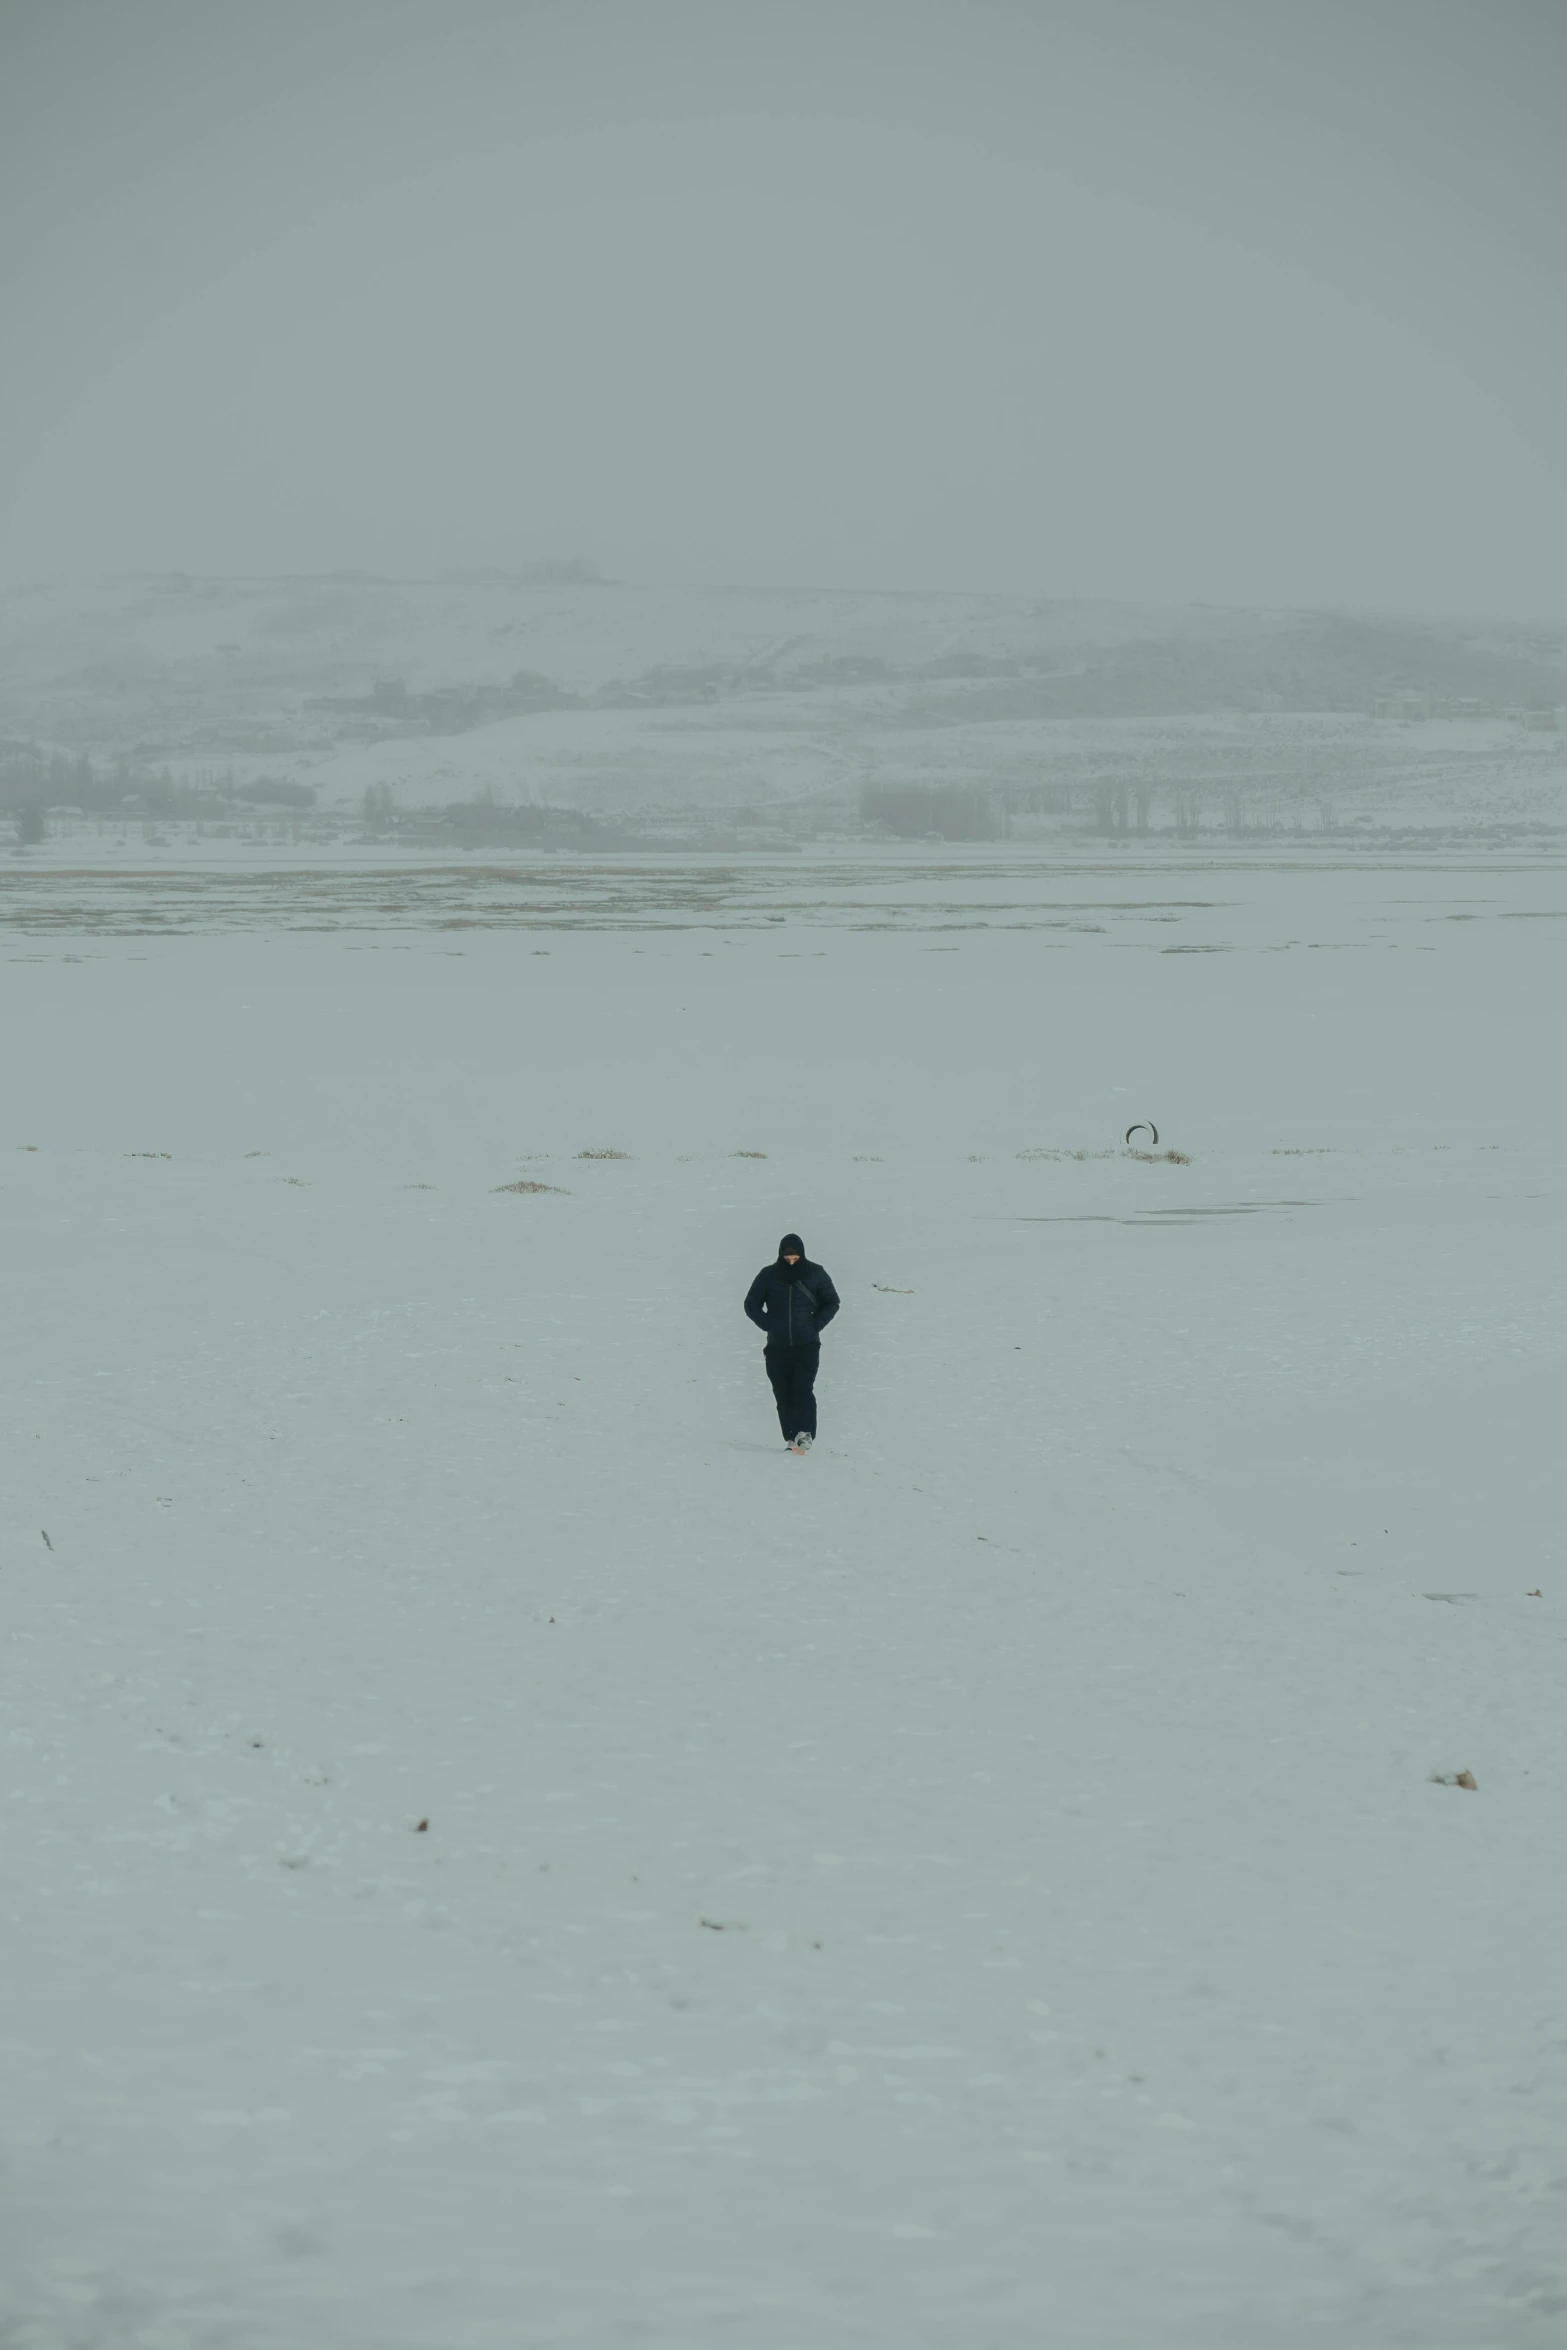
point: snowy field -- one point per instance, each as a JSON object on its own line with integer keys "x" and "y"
{"x": 987, "y": 1886}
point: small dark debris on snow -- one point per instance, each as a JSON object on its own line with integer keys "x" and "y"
{"x": 421, "y": 1827}
{"x": 44, "y": 1531}
{"x": 1527, "y": 1594}
{"x": 1456, "y": 1779}
{"x": 721, "y": 1925}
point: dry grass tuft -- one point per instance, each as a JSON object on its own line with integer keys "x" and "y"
{"x": 748, "y": 1154}
{"x": 603, "y": 1154}
{"x": 1161, "y": 1158}
{"x": 524, "y": 1186}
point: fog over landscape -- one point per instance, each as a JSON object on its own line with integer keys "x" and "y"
{"x": 1032, "y": 535}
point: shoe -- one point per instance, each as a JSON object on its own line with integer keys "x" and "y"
{"x": 803, "y": 1443}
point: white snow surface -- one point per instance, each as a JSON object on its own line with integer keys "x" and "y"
{"x": 988, "y": 1884}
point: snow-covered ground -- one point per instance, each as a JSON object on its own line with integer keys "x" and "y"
{"x": 987, "y": 1885}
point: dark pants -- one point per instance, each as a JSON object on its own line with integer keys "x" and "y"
{"x": 792, "y": 1370}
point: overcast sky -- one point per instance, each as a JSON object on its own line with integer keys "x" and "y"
{"x": 1180, "y": 299}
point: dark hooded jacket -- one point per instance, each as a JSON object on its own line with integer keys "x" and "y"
{"x": 792, "y": 1303}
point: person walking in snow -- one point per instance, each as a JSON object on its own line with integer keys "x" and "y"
{"x": 793, "y": 1301}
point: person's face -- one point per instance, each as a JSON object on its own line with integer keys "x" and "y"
{"x": 791, "y": 1260}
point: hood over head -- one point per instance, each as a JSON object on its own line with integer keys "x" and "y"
{"x": 791, "y": 1245}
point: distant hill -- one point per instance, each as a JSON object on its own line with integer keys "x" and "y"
{"x": 558, "y": 687}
